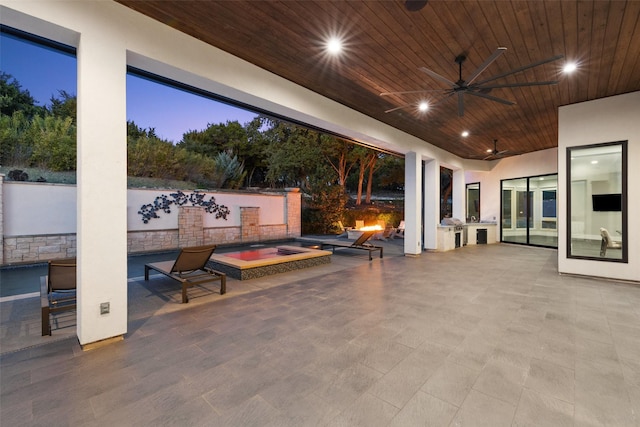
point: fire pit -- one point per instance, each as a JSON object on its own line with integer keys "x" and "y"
{"x": 355, "y": 233}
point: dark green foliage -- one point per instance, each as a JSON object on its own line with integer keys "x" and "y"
{"x": 229, "y": 171}
{"x": 64, "y": 106}
{"x": 294, "y": 155}
{"x": 13, "y": 98}
{"x": 32, "y": 135}
{"x": 245, "y": 142}
{"x": 42, "y": 141}
{"x": 324, "y": 205}
{"x": 150, "y": 156}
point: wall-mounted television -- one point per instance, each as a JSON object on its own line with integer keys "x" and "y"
{"x": 607, "y": 202}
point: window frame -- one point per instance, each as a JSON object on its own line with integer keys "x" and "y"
{"x": 625, "y": 245}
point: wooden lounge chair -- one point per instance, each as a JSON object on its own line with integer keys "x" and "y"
{"x": 190, "y": 269}
{"x": 359, "y": 243}
{"x": 57, "y": 290}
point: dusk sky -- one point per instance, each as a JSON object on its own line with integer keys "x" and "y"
{"x": 43, "y": 72}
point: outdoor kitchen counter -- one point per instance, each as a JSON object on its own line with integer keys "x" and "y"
{"x": 451, "y": 237}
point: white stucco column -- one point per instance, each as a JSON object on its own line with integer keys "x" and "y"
{"x": 102, "y": 182}
{"x": 459, "y": 196}
{"x": 412, "y": 204}
{"x": 431, "y": 204}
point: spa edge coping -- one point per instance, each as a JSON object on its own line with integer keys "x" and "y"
{"x": 301, "y": 253}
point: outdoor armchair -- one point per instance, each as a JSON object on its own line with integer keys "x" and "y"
{"x": 57, "y": 290}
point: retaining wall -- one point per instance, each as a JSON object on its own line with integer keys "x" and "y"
{"x": 38, "y": 221}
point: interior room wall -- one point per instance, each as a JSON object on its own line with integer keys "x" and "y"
{"x": 603, "y": 120}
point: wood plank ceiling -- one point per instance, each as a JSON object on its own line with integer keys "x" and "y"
{"x": 386, "y": 45}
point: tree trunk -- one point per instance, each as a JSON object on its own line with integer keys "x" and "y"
{"x": 363, "y": 167}
{"x": 371, "y": 163}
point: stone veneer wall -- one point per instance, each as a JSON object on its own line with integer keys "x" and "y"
{"x": 222, "y": 236}
{"x": 250, "y": 223}
{"x": 39, "y": 248}
{"x": 149, "y": 241}
{"x": 294, "y": 213}
{"x": 190, "y": 226}
{"x": 20, "y": 249}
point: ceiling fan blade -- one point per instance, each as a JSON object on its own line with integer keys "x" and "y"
{"x": 517, "y": 70}
{"x": 493, "y": 98}
{"x": 460, "y": 104}
{"x": 554, "y": 82}
{"x": 449, "y": 95}
{"x": 398, "y": 108}
{"x": 437, "y": 76}
{"x": 410, "y": 91}
{"x": 495, "y": 55}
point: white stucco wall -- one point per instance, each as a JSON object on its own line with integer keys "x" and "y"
{"x": 44, "y": 209}
{"x": 616, "y": 118}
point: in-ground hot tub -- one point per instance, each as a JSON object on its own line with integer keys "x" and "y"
{"x": 254, "y": 263}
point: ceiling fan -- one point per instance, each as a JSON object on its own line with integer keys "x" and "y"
{"x": 470, "y": 87}
{"x": 495, "y": 153}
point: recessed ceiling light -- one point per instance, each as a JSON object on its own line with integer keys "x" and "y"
{"x": 465, "y": 133}
{"x": 334, "y": 46}
{"x": 489, "y": 150}
{"x": 569, "y": 67}
{"x": 424, "y": 106}
{"x": 594, "y": 162}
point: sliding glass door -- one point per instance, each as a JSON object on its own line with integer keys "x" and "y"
{"x": 529, "y": 211}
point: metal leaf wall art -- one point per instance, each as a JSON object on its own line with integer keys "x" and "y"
{"x": 163, "y": 203}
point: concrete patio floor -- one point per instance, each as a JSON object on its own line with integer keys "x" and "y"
{"x": 483, "y": 335}
{"x": 20, "y": 322}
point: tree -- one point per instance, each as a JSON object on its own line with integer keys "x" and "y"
{"x": 372, "y": 161}
{"x": 293, "y": 154}
{"x": 54, "y": 143}
{"x": 391, "y": 173}
{"x": 64, "y": 106}
{"x": 255, "y": 157}
{"x": 325, "y": 204}
{"x": 13, "y": 98}
{"x": 338, "y": 153}
{"x": 361, "y": 154}
{"x": 215, "y": 139}
{"x": 245, "y": 141}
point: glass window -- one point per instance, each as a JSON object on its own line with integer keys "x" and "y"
{"x": 473, "y": 202}
{"x": 529, "y": 211}
{"x": 446, "y": 192}
{"x": 506, "y": 209}
{"x": 596, "y": 217}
